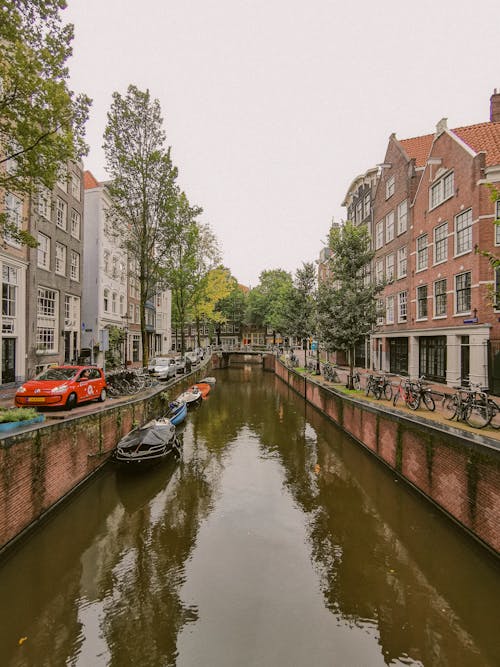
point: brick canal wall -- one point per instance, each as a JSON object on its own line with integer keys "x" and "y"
{"x": 459, "y": 472}
{"x": 39, "y": 467}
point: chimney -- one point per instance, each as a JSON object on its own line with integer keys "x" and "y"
{"x": 495, "y": 107}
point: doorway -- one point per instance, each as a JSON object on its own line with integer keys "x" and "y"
{"x": 8, "y": 360}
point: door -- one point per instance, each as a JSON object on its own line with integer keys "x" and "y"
{"x": 8, "y": 360}
{"x": 464, "y": 361}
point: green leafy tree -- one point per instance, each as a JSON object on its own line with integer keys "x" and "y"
{"x": 41, "y": 120}
{"x": 267, "y": 302}
{"x": 143, "y": 191}
{"x": 232, "y": 307}
{"x": 216, "y": 286}
{"x": 347, "y": 309}
{"x": 192, "y": 253}
{"x": 301, "y": 308}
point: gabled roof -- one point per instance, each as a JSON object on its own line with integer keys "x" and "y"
{"x": 482, "y": 137}
{"x": 89, "y": 180}
{"x": 418, "y": 148}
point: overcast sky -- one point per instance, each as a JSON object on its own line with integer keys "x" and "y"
{"x": 272, "y": 107}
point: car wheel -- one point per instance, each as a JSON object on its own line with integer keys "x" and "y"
{"x": 71, "y": 401}
{"x": 102, "y": 396}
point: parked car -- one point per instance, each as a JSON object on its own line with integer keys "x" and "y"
{"x": 193, "y": 357}
{"x": 181, "y": 364}
{"x": 63, "y": 386}
{"x": 164, "y": 368}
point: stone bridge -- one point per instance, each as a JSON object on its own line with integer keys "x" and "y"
{"x": 226, "y": 358}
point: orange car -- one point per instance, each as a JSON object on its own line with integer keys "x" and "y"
{"x": 63, "y": 386}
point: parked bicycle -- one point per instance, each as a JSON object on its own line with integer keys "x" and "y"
{"x": 356, "y": 380}
{"x": 374, "y": 386}
{"x": 423, "y": 394}
{"x": 386, "y": 386}
{"x": 469, "y": 404}
{"x": 329, "y": 372}
{"x": 406, "y": 392}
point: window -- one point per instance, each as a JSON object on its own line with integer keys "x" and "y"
{"x": 402, "y": 262}
{"x": 366, "y": 206}
{"x": 463, "y": 232}
{"x": 379, "y": 271}
{"x": 75, "y": 224}
{"x": 9, "y": 294}
{"x": 137, "y": 314}
{"x": 403, "y": 217}
{"x": 62, "y": 179}
{"x": 432, "y": 357}
{"x": 389, "y": 310}
{"x": 74, "y": 272}
{"x": 380, "y": 312}
{"x": 379, "y": 234}
{"x": 390, "y": 185}
{"x": 113, "y": 302}
{"x": 60, "y": 259}
{"x": 71, "y": 312}
{"x": 43, "y": 258}
{"x": 441, "y": 243}
{"x": 359, "y": 211}
{"x": 13, "y": 210}
{"x": 442, "y": 190}
{"x": 463, "y": 292}
{"x": 389, "y": 227}
{"x": 403, "y": 306}
{"x": 61, "y": 214}
{"x": 389, "y": 267}
{"x": 440, "y": 298}
{"x": 44, "y": 199}
{"x": 131, "y": 313}
{"x": 46, "y": 304}
{"x": 422, "y": 302}
{"x": 106, "y": 300}
{"x": 76, "y": 186}
{"x": 106, "y": 261}
{"x": 122, "y": 303}
{"x": 422, "y": 252}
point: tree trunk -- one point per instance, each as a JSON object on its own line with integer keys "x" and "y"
{"x": 350, "y": 383}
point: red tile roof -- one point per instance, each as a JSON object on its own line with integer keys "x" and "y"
{"x": 418, "y": 148}
{"x": 89, "y": 180}
{"x": 482, "y": 137}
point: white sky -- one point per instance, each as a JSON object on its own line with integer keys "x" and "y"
{"x": 272, "y": 107}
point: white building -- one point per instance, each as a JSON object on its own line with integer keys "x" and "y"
{"x": 163, "y": 332}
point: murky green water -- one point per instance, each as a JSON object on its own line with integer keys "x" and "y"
{"x": 277, "y": 541}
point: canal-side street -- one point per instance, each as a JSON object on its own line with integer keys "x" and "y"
{"x": 276, "y": 541}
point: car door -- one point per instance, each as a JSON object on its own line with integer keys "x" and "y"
{"x": 94, "y": 385}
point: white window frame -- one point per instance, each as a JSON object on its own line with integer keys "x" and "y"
{"x": 61, "y": 214}
{"x": 366, "y": 205}
{"x": 422, "y": 253}
{"x": 379, "y": 235}
{"x": 440, "y": 242}
{"x": 44, "y": 202}
{"x": 442, "y": 190}
{"x": 389, "y": 309}
{"x": 420, "y": 315}
{"x": 105, "y": 299}
{"x": 390, "y": 267}
{"x": 403, "y": 306}
{"x": 76, "y": 185}
{"x": 435, "y": 294}
{"x": 402, "y": 217}
{"x": 389, "y": 227}
{"x": 43, "y": 252}
{"x": 402, "y": 260}
{"x": 469, "y": 289}
{"x": 379, "y": 271}
{"x": 390, "y": 187}
{"x": 60, "y": 259}
{"x": 14, "y": 215}
{"x": 74, "y": 269}
{"x": 76, "y": 221}
{"x": 464, "y": 232}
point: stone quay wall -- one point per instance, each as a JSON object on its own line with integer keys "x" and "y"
{"x": 457, "y": 471}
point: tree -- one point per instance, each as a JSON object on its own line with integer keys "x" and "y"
{"x": 41, "y": 120}
{"x": 346, "y": 301}
{"x": 192, "y": 253}
{"x": 301, "y": 308}
{"x": 267, "y": 303}
{"x": 217, "y": 286}
{"x": 143, "y": 191}
{"x": 233, "y": 306}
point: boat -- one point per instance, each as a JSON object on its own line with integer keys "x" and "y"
{"x": 190, "y": 396}
{"x": 203, "y": 387}
{"x": 208, "y": 380}
{"x": 150, "y": 443}
{"x": 177, "y": 412}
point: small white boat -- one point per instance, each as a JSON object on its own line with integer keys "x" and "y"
{"x": 209, "y": 380}
{"x": 191, "y": 396}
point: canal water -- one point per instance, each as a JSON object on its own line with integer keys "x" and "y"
{"x": 277, "y": 541}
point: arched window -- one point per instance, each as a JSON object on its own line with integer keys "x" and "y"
{"x": 106, "y": 300}
{"x": 113, "y": 302}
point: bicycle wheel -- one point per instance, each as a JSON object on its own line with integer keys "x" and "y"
{"x": 495, "y": 414}
{"x": 388, "y": 391}
{"x": 450, "y": 407}
{"x": 413, "y": 400}
{"x": 395, "y": 398}
{"x": 428, "y": 401}
{"x": 477, "y": 414}
{"x": 377, "y": 392}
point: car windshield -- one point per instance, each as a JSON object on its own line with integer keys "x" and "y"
{"x": 57, "y": 374}
{"x": 162, "y": 362}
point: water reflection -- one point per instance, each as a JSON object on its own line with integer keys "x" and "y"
{"x": 276, "y": 541}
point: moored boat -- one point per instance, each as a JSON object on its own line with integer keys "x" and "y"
{"x": 190, "y": 396}
{"x": 208, "y": 380}
{"x": 203, "y": 387}
{"x": 150, "y": 443}
{"x": 177, "y": 412}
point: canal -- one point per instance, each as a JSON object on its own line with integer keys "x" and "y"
{"x": 277, "y": 541}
